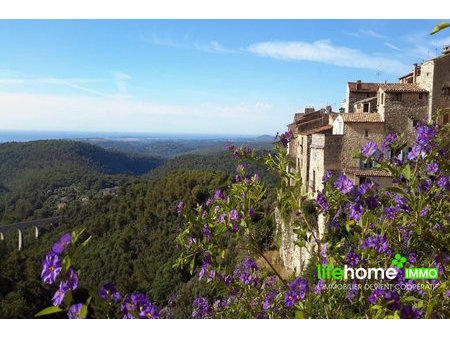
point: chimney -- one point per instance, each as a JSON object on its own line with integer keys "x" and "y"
{"x": 446, "y": 50}
{"x": 328, "y": 109}
{"x": 309, "y": 110}
{"x": 358, "y": 85}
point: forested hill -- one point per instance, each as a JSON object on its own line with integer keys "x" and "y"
{"x": 222, "y": 161}
{"x": 37, "y": 177}
{"x": 18, "y": 156}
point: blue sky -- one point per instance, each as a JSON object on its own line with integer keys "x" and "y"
{"x": 189, "y": 76}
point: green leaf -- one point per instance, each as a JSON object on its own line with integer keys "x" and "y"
{"x": 440, "y": 27}
{"x": 48, "y": 311}
{"x": 299, "y": 315}
{"x": 86, "y": 242}
{"x": 66, "y": 263}
{"x": 406, "y": 171}
{"x": 191, "y": 266}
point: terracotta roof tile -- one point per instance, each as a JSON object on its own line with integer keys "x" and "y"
{"x": 368, "y": 172}
{"x": 402, "y": 87}
{"x": 365, "y": 87}
{"x": 316, "y": 130}
{"x": 361, "y": 117}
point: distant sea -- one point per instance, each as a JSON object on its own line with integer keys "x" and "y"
{"x": 24, "y": 136}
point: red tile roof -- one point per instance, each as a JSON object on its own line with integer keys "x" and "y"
{"x": 368, "y": 172}
{"x": 361, "y": 117}
{"x": 316, "y": 130}
{"x": 402, "y": 87}
{"x": 365, "y": 87}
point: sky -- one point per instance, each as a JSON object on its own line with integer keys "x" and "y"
{"x": 244, "y": 77}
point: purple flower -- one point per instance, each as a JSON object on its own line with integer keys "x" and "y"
{"x": 249, "y": 264}
{"x": 221, "y": 218}
{"x": 218, "y": 195}
{"x": 369, "y": 149}
{"x": 241, "y": 168}
{"x": 149, "y": 312}
{"x": 127, "y": 305}
{"x": 352, "y": 258}
{"x": 109, "y": 292}
{"x": 51, "y": 268}
{"x": 391, "y": 212}
{"x": 299, "y": 284}
{"x": 206, "y": 232}
{"x": 60, "y": 293}
{"x": 356, "y": 211}
{"x": 319, "y": 286}
{"x": 375, "y": 296}
{"x": 364, "y": 188}
{"x": 234, "y": 215}
{"x": 180, "y": 207}
{"x": 392, "y": 300}
{"x": 415, "y": 151}
{"x": 432, "y": 168}
{"x": 201, "y": 308}
{"x": 424, "y": 211}
{"x": 371, "y": 202}
{"x": 381, "y": 245}
{"x": 236, "y": 153}
{"x": 246, "y": 278}
{"x": 321, "y": 201}
{"x": 72, "y": 279}
{"x": 425, "y": 185}
{"x": 208, "y": 202}
{"x": 141, "y": 301}
{"x": 75, "y": 311}
{"x": 344, "y": 184}
{"x": 290, "y": 298}
{"x": 328, "y": 174}
{"x": 251, "y": 213}
{"x": 63, "y": 242}
{"x": 239, "y": 178}
{"x": 228, "y": 146}
{"x": 352, "y": 291}
{"x": 442, "y": 182}
{"x": 410, "y": 312}
{"x": 391, "y": 138}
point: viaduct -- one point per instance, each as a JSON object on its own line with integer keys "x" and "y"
{"x": 20, "y": 227}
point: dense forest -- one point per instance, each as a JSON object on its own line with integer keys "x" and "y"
{"x": 131, "y": 218}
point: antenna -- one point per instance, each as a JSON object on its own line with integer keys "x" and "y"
{"x": 378, "y": 76}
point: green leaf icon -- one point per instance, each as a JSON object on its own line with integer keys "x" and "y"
{"x": 398, "y": 261}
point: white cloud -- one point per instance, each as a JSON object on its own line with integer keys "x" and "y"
{"x": 26, "y": 111}
{"x": 390, "y": 45}
{"x": 121, "y": 81}
{"x": 323, "y": 51}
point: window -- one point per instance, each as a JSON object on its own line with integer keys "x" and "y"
{"x": 363, "y": 180}
{"x": 446, "y": 91}
{"x": 420, "y": 96}
{"x": 314, "y": 181}
{"x": 368, "y": 165}
{"x": 366, "y": 133}
{"x": 368, "y": 95}
{"x": 396, "y": 97}
{"x": 382, "y": 98}
{"x": 366, "y": 108}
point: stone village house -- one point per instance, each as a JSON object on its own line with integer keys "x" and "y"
{"x": 326, "y": 140}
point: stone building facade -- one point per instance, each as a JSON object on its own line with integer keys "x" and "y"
{"x": 326, "y": 140}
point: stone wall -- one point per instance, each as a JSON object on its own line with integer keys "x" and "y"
{"x": 400, "y": 116}
{"x": 354, "y": 140}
